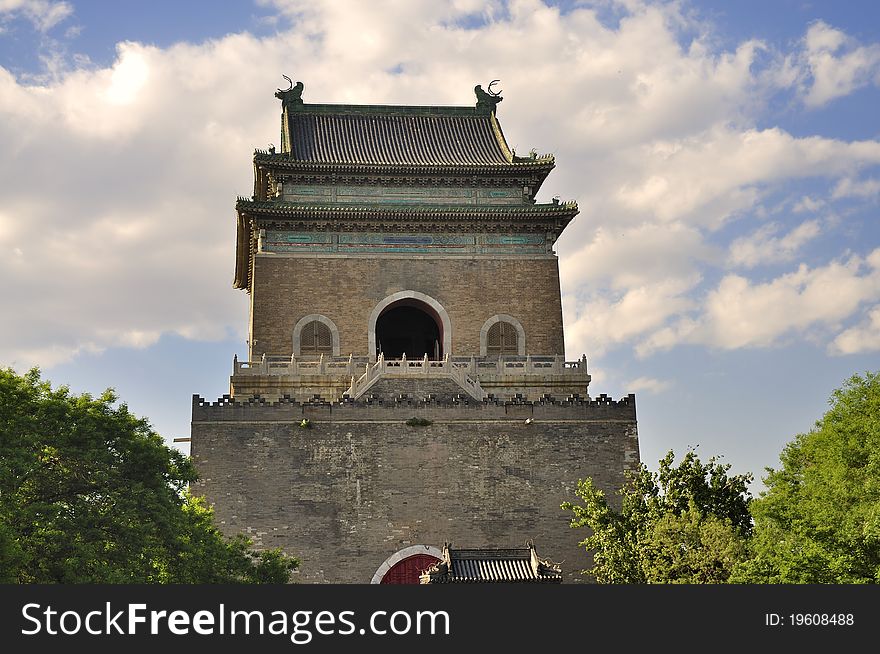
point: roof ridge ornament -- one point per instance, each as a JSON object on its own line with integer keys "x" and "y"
{"x": 292, "y": 95}
{"x": 487, "y": 100}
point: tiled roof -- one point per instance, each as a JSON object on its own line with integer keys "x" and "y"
{"x": 388, "y": 135}
{"x": 394, "y": 139}
{"x": 424, "y": 211}
{"x": 513, "y": 565}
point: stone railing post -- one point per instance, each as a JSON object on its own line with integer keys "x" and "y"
{"x": 557, "y": 364}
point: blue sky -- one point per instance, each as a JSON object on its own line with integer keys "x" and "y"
{"x": 725, "y": 157}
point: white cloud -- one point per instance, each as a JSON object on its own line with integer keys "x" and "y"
{"x": 763, "y": 246}
{"x": 808, "y": 204}
{"x": 712, "y": 175}
{"x": 637, "y": 255}
{"x": 648, "y": 384}
{"x": 849, "y": 188}
{"x": 43, "y": 14}
{"x": 119, "y": 182}
{"x": 741, "y": 313}
{"x": 864, "y": 337}
{"x": 837, "y": 64}
{"x": 595, "y": 324}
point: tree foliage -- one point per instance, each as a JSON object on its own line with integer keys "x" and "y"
{"x": 819, "y": 519}
{"x": 89, "y": 493}
{"x": 683, "y": 524}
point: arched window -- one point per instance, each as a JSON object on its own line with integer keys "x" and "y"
{"x": 315, "y": 335}
{"x": 502, "y": 339}
{"x": 316, "y": 338}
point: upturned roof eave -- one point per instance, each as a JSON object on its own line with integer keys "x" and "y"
{"x": 242, "y": 253}
{"x": 280, "y": 208}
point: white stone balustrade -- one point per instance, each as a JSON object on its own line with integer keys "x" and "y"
{"x": 348, "y": 366}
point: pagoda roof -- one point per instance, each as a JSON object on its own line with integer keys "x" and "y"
{"x": 509, "y": 565}
{"x": 396, "y": 135}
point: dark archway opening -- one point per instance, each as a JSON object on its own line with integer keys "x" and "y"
{"x": 409, "y": 329}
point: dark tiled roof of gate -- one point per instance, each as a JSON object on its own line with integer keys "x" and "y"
{"x": 515, "y": 565}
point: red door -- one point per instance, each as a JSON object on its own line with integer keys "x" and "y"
{"x": 407, "y": 571}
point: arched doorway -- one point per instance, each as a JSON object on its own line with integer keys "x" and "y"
{"x": 408, "y": 327}
{"x": 409, "y": 569}
{"x": 406, "y": 565}
{"x": 422, "y": 302}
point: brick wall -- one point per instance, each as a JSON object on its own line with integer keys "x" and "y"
{"x": 361, "y": 484}
{"x": 346, "y": 290}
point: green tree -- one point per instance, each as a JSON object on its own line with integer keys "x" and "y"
{"x": 683, "y": 524}
{"x": 89, "y": 493}
{"x": 819, "y": 519}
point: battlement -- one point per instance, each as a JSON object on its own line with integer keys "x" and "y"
{"x": 372, "y": 407}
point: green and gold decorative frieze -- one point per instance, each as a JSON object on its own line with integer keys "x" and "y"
{"x": 391, "y": 195}
{"x": 411, "y": 243}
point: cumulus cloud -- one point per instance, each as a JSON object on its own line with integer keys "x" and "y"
{"x": 864, "y": 337}
{"x": 808, "y": 204}
{"x": 648, "y": 384}
{"x": 712, "y": 175}
{"x": 837, "y": 65}
{"x": 600, "y": 322}
{"x": 117, "y": 224}
{"x": 42, "y": 14}
{"x": 638, "y": 255}
{"x": 742, "y": 313}
{"x": 764, "y": 246}
{"x": 850, "y": 188}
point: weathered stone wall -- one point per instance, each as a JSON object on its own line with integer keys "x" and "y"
{"x": 346, "y": 290}
{"x": 300, "y": 387}
{"x": 360, "y": 484}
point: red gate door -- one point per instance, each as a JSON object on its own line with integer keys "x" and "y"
{"x": 407, "y": 571}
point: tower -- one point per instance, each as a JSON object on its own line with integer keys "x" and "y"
{"x": 406, "y": 382}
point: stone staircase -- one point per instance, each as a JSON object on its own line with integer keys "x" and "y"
{"x": 442, "y": 390}
{"x": 410, "y": 377}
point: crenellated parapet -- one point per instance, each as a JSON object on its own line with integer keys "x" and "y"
{"x": 403, "y": 407}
